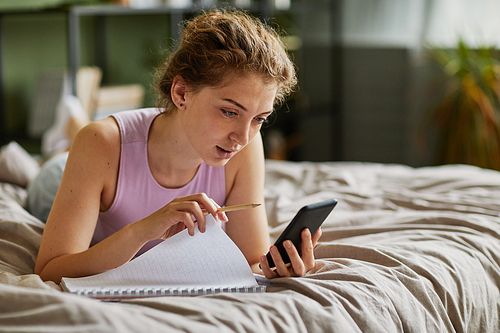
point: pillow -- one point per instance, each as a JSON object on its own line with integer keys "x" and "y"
{"x": 17, "y": 166}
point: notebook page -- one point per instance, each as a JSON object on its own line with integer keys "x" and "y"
{"x": 209, "y": 259}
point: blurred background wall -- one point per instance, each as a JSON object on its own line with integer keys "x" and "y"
{"x": 362, "y": 64}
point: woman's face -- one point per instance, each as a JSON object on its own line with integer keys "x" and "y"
{"x": 220, "y": 121}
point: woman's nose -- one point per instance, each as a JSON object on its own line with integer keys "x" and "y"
{"x": 241, "y": 135}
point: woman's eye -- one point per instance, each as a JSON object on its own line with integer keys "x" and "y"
{"x": 229, "y": 113}
{"x": 261, "y": 120}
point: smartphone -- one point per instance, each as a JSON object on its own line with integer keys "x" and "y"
{"x": 311, "y": 216}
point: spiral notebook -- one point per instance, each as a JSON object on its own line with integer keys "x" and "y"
{"x": 182, "y": 265}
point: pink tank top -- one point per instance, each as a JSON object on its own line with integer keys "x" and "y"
{"x": 137, "y": 192}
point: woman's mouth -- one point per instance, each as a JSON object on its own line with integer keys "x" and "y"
{"x": 225, "y": 153}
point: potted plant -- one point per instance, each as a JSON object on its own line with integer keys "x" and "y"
{"x": 467, "y": 116}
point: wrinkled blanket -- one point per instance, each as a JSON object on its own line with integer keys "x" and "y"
{"x": 405, "y": 250}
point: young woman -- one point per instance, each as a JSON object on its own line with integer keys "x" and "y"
{"x": 140, "y": 176}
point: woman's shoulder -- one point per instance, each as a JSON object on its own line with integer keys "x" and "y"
{"x": 134, "y": 125}
{"x": 99, "y": 138}
{"x": 94, "y": 158}
{"x": 104, "y": 131}
{"x": 138, "y": 113}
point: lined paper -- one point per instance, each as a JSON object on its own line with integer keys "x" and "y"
{"x": 205, "y": 260}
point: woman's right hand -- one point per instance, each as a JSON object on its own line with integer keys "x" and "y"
{"x": 179, "y": 214}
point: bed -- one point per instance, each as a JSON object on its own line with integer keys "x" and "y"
{"x": 405, "y": 250}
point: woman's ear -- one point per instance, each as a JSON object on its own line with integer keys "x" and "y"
{"x": 178, "y": 92}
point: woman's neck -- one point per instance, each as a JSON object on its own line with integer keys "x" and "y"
{"x": 172, "y": 161}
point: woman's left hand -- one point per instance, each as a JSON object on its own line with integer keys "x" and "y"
{"x": 299, "y": 264}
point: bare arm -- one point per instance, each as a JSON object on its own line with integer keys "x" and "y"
{"x": 64, "y": 250}
{"x": 88, "y": 184}
{"x": 248, "y": 228}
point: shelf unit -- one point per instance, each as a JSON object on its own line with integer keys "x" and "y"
{"x": 314, "y": 110}
{"x": 100, "y": 13}
{"x": 74, "y": 15}
{"x": 3, "y": 13}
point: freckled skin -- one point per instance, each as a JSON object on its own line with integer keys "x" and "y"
{"x": 218, "y": 126}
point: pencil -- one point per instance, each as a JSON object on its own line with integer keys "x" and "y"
{"x": 233, "y": 208}
{"x": 237, "y": 207}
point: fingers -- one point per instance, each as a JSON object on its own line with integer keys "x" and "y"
{"x": 181, "y": 215}
{"x": 296, "y": 267}
{"x": 281, "y": 268}
{"x": 317, "y": 236}
{"x": 299, "y": 264}
{"x": 264, "y": 265}
{"x": 188, "y": 211}
{"x": 195, "y": 205}
{"x": 222, "y": 217}
{"x": 308, "y": 249}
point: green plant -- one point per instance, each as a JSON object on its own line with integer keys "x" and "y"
{"x": 467, "y": 117}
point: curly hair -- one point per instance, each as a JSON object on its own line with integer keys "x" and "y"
{"x": 218, "y": 43}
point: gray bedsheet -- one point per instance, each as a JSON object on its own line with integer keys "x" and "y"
{"x": 406, "y": 250}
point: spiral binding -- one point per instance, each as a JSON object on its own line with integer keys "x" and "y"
{"x": 113, "y": 294}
